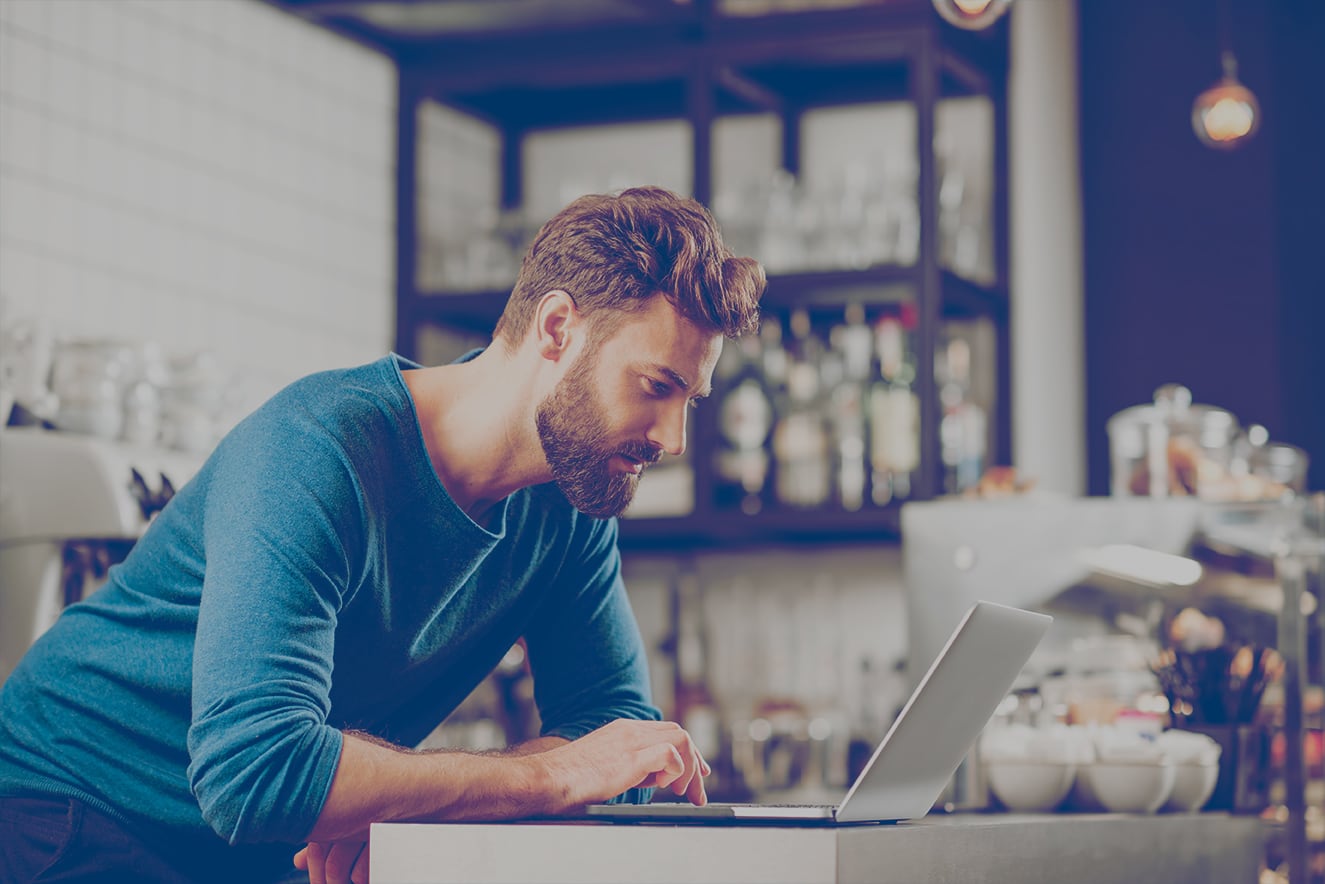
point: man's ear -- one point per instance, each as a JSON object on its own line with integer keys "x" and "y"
{"x": 556, "y": 321}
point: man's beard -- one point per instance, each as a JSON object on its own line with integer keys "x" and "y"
{"x": 572, "y": 426}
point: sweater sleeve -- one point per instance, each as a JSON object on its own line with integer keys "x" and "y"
{"x": 282, "y": 514}
{"x": 585, "y": 651}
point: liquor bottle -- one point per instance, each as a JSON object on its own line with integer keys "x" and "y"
{"x": 854, "y": 341}
{"x": 745, "y": 418}
{"x": 894, "y": 416}
{"x": 800, "y": 438}
{"x": 964, "y": 427}
{"x": 852, "y": 347}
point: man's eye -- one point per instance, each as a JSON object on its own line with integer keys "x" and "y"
{"x": 660, "y": 388}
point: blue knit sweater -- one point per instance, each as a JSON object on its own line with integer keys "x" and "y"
{"x": 313, "y": 576}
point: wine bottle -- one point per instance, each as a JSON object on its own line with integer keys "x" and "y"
{"x": 745, "y": 419}
{"x": 800, "y": 439}
{"x": 894, "y": 415}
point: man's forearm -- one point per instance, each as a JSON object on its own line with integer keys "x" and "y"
{"x": 535, "y": 746}
{"x": 376, "y": 782}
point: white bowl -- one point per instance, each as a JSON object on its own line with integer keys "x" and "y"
{"x": 1030, "y": 786}
{"x": 1082, "y": 797}
{"x": 1131, "y": 786}
{"x": 1188, "y": 747}
{"x": 1193, "y": 784}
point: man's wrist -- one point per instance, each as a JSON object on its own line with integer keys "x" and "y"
{"x": 543, "y": 782}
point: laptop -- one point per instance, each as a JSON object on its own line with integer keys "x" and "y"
{"x": 913, "y": 763}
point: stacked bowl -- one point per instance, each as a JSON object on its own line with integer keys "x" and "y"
{"x": 1099, "y": 769}
{"x": 1029, "y": 769}
{"x": 1196, "y": 769}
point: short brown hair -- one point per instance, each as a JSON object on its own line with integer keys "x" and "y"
{"x": 618, "y": 251}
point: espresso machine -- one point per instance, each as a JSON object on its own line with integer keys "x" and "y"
{"x": 71, "y": 505}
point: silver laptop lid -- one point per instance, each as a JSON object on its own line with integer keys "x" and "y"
{"x": 949, "y": 707}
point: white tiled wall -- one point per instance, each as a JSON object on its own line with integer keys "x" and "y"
{"x": 458, "y": 192}
{"x": 207, "y": 174}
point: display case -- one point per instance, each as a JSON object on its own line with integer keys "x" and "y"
{"x": 857, "y": 150}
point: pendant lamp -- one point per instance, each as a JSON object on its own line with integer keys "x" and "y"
{"x": 1227, "y": 114}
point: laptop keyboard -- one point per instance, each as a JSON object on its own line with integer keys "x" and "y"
{"x": 799, "y": 804}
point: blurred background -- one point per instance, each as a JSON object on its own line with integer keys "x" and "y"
{"x": 1002, "y": 262}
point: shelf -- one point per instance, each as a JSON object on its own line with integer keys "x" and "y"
{"x": 879, "y": 285}
{"x": 888, "y": 284}
{"x": 784, "y": 526}
{"x": 477, "y": 311}
{"x": 964, "y": 298}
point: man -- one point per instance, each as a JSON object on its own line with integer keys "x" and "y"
{"x": 355, "y": 557}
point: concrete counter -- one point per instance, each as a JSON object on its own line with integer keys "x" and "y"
{"x": 1210, "y": 848}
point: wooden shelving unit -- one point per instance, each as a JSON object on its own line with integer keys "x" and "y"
{"x": 697, "y": 63}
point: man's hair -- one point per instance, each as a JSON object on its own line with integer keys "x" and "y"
{"x": 613, "y": 253}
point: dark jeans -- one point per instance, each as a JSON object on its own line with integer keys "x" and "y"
{"x": 62, "y": 839}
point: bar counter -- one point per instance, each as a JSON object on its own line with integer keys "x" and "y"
{"x": 1208, "y": 848}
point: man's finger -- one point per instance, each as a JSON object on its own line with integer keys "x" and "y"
{"x": 360, "y": 875}
{"x": 340, "y": 861}
{"x": 696, "y": 793}
{"x": 317, "y": 858}
{"x": 665, "y": 762}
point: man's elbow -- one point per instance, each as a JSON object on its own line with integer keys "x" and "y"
{"x": 268, "y": 786}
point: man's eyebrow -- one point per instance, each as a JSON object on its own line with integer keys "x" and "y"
{"x": 676, "y": 378}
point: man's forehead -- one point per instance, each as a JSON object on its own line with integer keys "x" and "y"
{"x": 665, "y": 327}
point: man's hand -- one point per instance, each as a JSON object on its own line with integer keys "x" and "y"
{"x": 620, "y": 755}
{"x": 625, "y": 754}
{"x": 377, "y": 782}
{"x": 334, "y": 862}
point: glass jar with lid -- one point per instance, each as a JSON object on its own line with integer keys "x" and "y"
{"x": 88, "y": 376}
{"x": 1171, "y": 447}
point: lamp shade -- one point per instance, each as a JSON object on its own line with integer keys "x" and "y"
{"x": 1225, "y": 115}
{"x": 971, "y": 15}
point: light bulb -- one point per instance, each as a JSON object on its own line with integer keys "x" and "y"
{"x": 1226, "y": 114}
{"x": 972, "y": 15}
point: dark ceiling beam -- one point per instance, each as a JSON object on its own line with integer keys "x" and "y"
{"x": 676, "y": 36}
{"x": 633, "y": 67}
{"x": 661, "y": 7}
{"x": 583, "y": 58}
{"x": 601, "y": 55}
{"x": 665, "y": 9}
{"x": 533, "y": 19}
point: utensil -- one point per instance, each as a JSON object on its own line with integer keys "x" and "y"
{"x": 1216, "y": 686}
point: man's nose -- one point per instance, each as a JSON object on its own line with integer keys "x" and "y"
{"x": 669, "y": 430}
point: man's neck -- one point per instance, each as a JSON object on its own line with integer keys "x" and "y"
{"x": 479, "y": 428}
